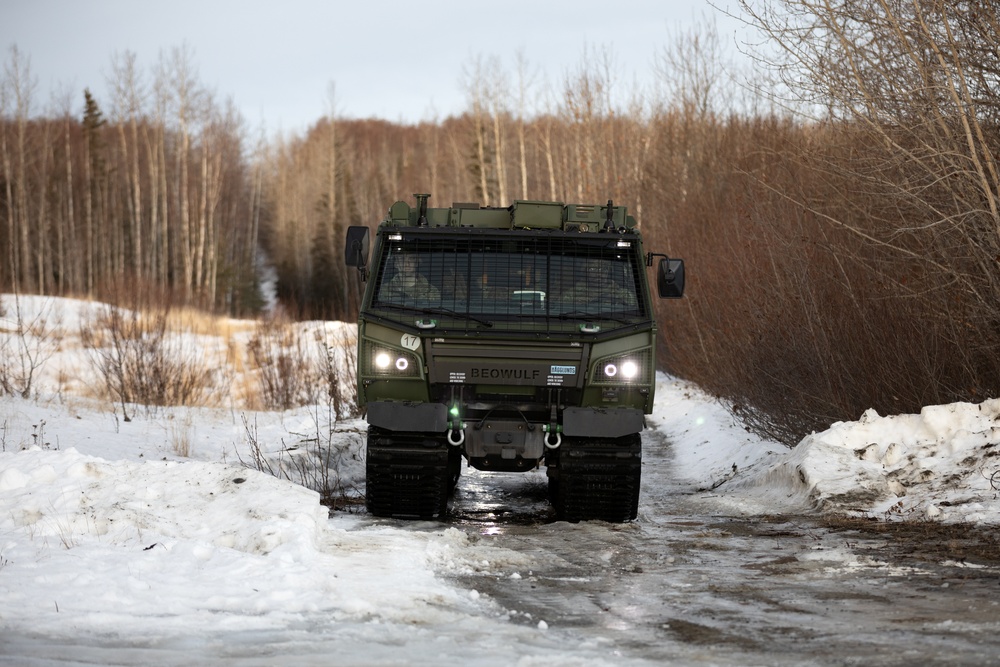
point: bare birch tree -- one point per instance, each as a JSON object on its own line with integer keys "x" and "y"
{"x": 19, "y": 88}
{"x": 129, "y": 100}
{"x": 476, "y": 86}
{"x": 186, "y": 98}
{"x": 66, "y": 255}
{"x": 498, "y": 90}
{"x": 524, "y": 84}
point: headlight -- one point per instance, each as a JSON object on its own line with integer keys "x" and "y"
{"x": 388, "y": 362}
{"x": 629, "y": 368}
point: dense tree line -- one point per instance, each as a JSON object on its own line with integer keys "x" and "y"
{"x": 156, "y": 187}
{"x": 840, "y": 219}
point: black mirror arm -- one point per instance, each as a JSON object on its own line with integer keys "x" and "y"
{"x": 651, "y": 255}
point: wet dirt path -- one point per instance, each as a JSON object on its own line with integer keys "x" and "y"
{"x": 689, "y": 584}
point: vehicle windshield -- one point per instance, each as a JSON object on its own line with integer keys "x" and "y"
{"x": 512, "y": 280}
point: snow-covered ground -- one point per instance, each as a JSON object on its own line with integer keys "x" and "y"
{"x": 151, "y": 533}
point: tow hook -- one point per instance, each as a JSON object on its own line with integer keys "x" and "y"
{"x": 551, "y": 429}
{"x": 456, "y": 436}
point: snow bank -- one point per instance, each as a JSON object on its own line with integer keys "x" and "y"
{"x": 64, "y": 496}
{"x": 146, "y": 549}
{"x": 942, "y": 464}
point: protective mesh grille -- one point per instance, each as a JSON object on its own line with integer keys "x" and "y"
{"x": 511, "y": 280}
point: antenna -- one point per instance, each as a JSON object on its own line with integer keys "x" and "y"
{"x": 422, "y": 204}
{"x": 609, "y": 224}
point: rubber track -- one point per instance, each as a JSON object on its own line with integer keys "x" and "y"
{"x": 599, "y": 479}
{"x": 407, "y": 475}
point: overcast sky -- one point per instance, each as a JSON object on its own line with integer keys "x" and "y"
{"x": 391, "y": 59}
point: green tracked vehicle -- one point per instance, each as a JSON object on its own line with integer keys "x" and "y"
{"x": 512, "y": 338}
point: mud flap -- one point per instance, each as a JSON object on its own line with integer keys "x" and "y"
{"x": 409, "y": 417}
{"x": 602, "y": 422}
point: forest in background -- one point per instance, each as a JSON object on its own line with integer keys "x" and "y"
{"x": 836, "y": 205}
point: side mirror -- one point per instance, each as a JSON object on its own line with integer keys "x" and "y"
{"x": 356, "y": 248}
{"x": 670, "y": 278}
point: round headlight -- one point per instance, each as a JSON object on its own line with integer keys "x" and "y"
{"x": 382, "y": 360}
{"x": 402, "y": 364}
{"x": 610, "y": 370}
{"x": 629, "y": 370}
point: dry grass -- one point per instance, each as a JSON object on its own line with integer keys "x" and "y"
{"x": 150, "y": 353}
{"x": 180, "y": 436}
{"x": 203, "y": 323}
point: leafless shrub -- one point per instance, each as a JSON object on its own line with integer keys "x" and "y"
{"x": 314, "y": 460}
{"x": 142, "y": 362}
{"x": 24, "y": 349}
{"x": 288, "y": 375}
{"x": 340, "y": 368}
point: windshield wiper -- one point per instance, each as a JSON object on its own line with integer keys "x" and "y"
{"x": 433, "y": 311}
{"x": 575, "y": 315}
{"x": 447, "y": 311}
{"x": 584, "y": 315}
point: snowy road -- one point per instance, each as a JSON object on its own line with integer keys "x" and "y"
{"x": 687, "y": 584}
